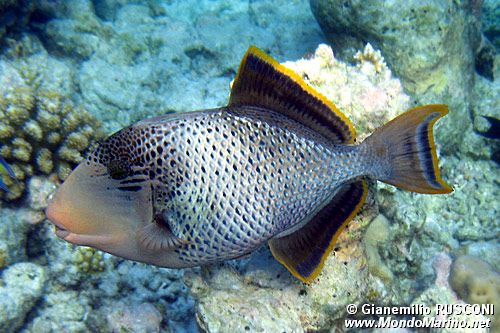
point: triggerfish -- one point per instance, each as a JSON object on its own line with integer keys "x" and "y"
{"x": 277, "y": 165}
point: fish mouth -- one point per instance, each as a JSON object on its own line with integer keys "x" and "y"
{"x": 61, "y": 232}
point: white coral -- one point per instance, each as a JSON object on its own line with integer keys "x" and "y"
{"x": 370, "y": 98}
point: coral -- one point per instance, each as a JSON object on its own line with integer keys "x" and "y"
{"x": 14, "y": 231}
{"x": 477, "y": 283}
{"x": 258, "y": 294}
{"x": 376, "y": 235}
{"x": 22, "y": 285}
{"x": 140, "y": 318}
{"x": 484, "y": 103}
{"x": 486, "y": 250}
{"x": 78, "y": 300}
{"x": 425, "y": 225}
{"x": 63, "y": 311}
{"x": 41, "y": 131}
{"x": 144, "y": 58}
{"x": 366, "y": 92}
{"x": 490, "y": 26}
{"x": 371, "y": 56}
{"x": 5, "y": 7}
{"x": 3, "y": 254}
{"x": 441, "y": 293}
{"x": 442, "y": 266}
{"x": 89, "y": 260}
{"x": 431, "y": 50}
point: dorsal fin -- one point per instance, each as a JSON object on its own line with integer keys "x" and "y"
{"x": 264, "y": 82}
{"x": 304, "y": 252}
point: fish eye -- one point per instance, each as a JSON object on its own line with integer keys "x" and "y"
{"x": 119, "y": 169}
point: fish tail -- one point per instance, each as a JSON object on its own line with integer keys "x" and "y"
{"x": 407, "y": 151}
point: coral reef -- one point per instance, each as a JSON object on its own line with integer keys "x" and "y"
{"x": 140, "y": 318}
{"x": 41, "y": 132}
{"x": 426, "y": 225}
{"x": 441, "y": 293}
{"x": 376, "y": 235}
{"x": 258, "y": 294}
{"x": 477, "y": 283}
{"x": 429, "y": 45}
{"x": 123, "y": 60}
{"x": 83, "y": 294}
{"x": 490, "y": 22}
{"x": 484, "y": 104}
{"x": 89, "y": 260}
{"x": 63, "y": 311}
{"x": 6, "y": 6}
{"x": 145, "y": 58}
{"x": 366, "y": 92}
{"x": 22, "y": 285}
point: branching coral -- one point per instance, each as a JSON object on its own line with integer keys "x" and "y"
{"x": 371, "y": 56}
{"x": 89, "y": 260}
{"x": 41, "y": 132}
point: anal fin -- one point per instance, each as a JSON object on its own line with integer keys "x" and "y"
{"x": 304, "y": 252}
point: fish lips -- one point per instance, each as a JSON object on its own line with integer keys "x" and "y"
{"x": 61, "y": 232}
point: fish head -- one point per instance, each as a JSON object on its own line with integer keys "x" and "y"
{"x": 105, "y": 202}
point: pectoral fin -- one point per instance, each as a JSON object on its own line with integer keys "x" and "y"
{"x": 304, "y": 252}
{"x": 158, "y": 236}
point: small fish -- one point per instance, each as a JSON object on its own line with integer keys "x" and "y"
{"x": 5, "y": 169}
{"x": 277, "y": 165}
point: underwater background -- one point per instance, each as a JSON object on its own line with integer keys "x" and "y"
{"x": 73, "y": 72}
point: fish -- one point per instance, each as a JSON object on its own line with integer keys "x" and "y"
{"x": 5, "y": 169}
{"x": 278, "y": 165}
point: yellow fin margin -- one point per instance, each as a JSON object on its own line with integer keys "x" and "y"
{"x": 443, "y": 111}
{"x": 412, "y": 119}
{"x": 253, "y": 50}
{"x": 333, "y": 241}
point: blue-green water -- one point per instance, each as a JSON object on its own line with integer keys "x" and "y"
{"x": 73, "y": 72}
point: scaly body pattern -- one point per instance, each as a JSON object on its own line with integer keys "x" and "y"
{"x": 277, "y": 165}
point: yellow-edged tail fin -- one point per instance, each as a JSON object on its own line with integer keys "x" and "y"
{"x": 407, "y": 149}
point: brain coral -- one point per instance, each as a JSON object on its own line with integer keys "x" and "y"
{"x": 41, "y": 132}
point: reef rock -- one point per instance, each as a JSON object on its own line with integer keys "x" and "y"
{"x": 140, "y": 318}
{"x": 441, "y": 293}
{"x": 490, "y": 18}
{"x": 484, "y": 107}
{"x": 257, "y": 294}
{"x": 144, "y": 58}
{"x": 477, "y": 283}
{"x": 366, "y": 92}
{"x": 430, "y": 45}
{"x": 261, "y": 296}
{"x": 22, "y": 285}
